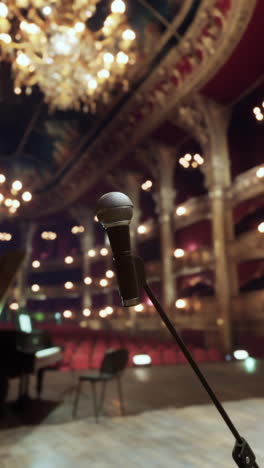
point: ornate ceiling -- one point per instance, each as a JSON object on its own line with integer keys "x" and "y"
{"x": 183, "y": 45}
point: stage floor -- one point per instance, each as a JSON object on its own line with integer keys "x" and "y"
{"x": 168, "y": 422}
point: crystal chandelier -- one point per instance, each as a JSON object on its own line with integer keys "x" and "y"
{"x": 12, "y": 196}
{"x": 50, "y": 43}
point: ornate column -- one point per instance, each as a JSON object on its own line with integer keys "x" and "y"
{"x": 218, "y": 179}
{"x": 27, "y": 231}
{"x": 164, "y": 198}
{"x": 85, "y": 217}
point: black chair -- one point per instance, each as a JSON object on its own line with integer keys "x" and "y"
{"x": 113, "y": 364}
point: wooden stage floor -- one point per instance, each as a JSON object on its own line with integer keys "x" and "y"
{"x": 169, "y": 422}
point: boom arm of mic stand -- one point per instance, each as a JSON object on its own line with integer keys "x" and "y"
{"x": 242, "y": 452}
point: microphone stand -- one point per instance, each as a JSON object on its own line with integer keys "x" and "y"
{"x": 242, "y": 453}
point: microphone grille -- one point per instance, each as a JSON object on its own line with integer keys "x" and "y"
{"x": 114, "y": 209}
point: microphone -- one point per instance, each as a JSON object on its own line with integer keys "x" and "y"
{"x": 114, "y": 211}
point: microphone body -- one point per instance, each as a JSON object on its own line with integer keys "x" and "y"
{"x": 114, "y": 212}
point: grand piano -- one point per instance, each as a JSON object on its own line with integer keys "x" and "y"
{"x": 23, "y": 350}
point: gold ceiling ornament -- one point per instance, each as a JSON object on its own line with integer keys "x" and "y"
{"x": 50, "y": 44}
{"x": 12, "y": 196}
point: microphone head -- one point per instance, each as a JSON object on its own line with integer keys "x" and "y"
{"x": 114, "y": 209}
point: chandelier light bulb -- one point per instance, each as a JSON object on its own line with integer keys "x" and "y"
{"x": 118, "y": 6}
{"x": 3, "y": 10}
{"x": 92, "y": 84}
{"x": 103, "y": 74}
{"x": 46, "y": 10}
{"x": 23, "y": 60}
{"x": 68, "y": 285}
{"x": 108, "y": 58}
{"x": 8, "y": 202}
{"x": 129, "y": 35}
{"x": 17, "y": 90}
{"x": 2, "y": 178}
{"x": 36, "y": 263}
{"x": 6, "y": 38}
{"x": 259, "y": 116}
{"x": 35, "y": 287}
{"x": 188, "y": 157}
{"x": 79, "y": 27}
{"x": 109, "y": 310}
{"x": 257, "y": 110}
{"x": 122, "y": 58}
{"x": 16, "y": 204}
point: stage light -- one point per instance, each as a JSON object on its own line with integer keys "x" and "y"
{"x": 250, "y": 364}
{"x": 240, "y": 354}
{"x": 141, "y": 360}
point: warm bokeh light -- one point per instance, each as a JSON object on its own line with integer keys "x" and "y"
{"x": 2, "y": 178}
{"x": 147, "y": 185}
{"x": 109, "y": 274}
{"x": 68, "y": 285}
{"x": 77, "y": 229}
{"x": 181, "y": 210}
{"x": 261, "y": 227}
{"x": 67, "y": 313}
{"x": 91, "y": 253}
{"x": 109, "y": 310}
{"x": 17, "y": 185}
{"x": 102, "y": 313}
{"x": 181, "y": 303}
{"x": 118, "y": 6}
{"x": 68, "y": 260}
{"x": 48, "y": 235}
{"x": 95, "y": 219}
{"x": 5, "y": 236}
{"x": 104, "y": 251}
{"x": 26, "y": 196}
{"x": 14, "y": 306}
{"x": 87, "y": 280}
{"x": 141, "y": 229}
{"x": 86, "y": 312}
{"x": 35, "y": 287}
{"x": 139, "y": 308}
{"x": 36, "y": 263}
{"x": 178, "y": 253}
{"x": 260, "y": 172}
{"x": 240, "y": 354}
{"x": 103, "y": 282}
